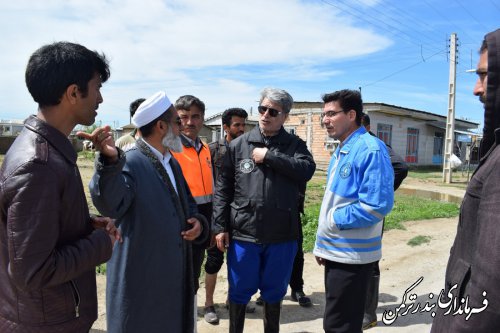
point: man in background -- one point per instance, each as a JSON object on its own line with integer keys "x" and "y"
{"x": 196, "y": 166}
{"x": 126, "y": 141}
{"x": 400, "y": 172}
{"x": 233, "y": 124}
{"x": 296, "y": 279}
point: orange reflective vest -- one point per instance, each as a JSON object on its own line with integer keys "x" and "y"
{"x": 197, "y": 169}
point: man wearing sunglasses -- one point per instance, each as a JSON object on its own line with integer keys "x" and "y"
{"x": 359, "y": 193}
{"x": 256, "y": 209}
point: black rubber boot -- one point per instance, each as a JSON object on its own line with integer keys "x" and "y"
{"x": 370, "y": 316}
{"x": 272, "y": 317}
{"x": 236, "y": 317}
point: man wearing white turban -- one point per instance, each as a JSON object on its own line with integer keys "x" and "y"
{"x": 149, "y": 279}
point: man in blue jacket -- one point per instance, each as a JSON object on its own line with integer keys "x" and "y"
{"x": 359, "y": 193}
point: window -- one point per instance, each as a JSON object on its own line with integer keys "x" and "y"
{"x": 5, "y": 130}
{"x": 412, "y": 145}
{"x": 384, "y": 133}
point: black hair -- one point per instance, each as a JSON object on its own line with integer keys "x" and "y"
{"x": 54, "y": 67}
{"x": 134, "y": 105}
{"x": 348, "y": 100}
{"x": 187, "y": 101}
{"x": 233, "y": 112}
{"x": 365, "y": 120}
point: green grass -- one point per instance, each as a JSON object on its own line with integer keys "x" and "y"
{"x": 86, "y": 155}
{"x": 101, "y": 269}
{"x": 406, "y": 208}
{"x": 309, "y": 226}
{"x": 410, "y": 208}
{"x": 419, "y": 240}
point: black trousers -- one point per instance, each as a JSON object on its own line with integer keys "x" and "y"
{"x": 296, "y": 279}
{"x": 199, "y": 250}
{"x": 198, "y": 256}
{"x": 345, "y": 292}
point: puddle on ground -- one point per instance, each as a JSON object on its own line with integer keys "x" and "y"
{"x": 431, "y": 195}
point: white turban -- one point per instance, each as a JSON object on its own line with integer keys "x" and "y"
{"x": 150, "y": 109}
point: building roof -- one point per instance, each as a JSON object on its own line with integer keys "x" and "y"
{"x": 418, "y": 114}
{"x": 431, "y": 118}
{"x": 299, "y": 107}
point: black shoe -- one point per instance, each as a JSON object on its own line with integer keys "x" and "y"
{"x": 299, "y": 296}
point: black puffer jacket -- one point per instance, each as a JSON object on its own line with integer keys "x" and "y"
{"x": 48, "y": 248}
{"x": 259, "y": 202}
{"x": 473, "y": 271}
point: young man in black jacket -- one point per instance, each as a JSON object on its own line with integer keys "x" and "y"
{"x": 233, "y": 123}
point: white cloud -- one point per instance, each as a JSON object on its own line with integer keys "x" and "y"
{"x": 156, "y": 44}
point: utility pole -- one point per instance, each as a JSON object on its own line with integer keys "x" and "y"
{"x": 450, "y": 119}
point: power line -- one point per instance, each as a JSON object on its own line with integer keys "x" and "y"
{"x": 445, "y": 18}
{"x": 395, "y": 19}
{"x": 424, "y": 26}
{"x": 403, "y": 69}
{"x": 496, "y": 6}
{"x": 401, "y": 13}
{"x": 392, "y": 30}
{"x": 470, "y": 14}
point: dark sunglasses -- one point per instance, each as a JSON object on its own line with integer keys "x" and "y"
{"x": 272, "y": 112}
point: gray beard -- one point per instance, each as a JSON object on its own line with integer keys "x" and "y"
{"x": 172, "y": 141}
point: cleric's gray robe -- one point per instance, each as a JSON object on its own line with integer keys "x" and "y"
{"x": 149, "y": 276}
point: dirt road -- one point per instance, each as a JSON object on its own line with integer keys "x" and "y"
{"x": 401, "y": 266}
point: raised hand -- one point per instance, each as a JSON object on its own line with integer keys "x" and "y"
{"x": 102, "y": 138}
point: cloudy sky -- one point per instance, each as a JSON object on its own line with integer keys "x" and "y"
{"x": 226, "y": 51}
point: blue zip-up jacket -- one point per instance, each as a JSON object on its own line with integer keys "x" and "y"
{"x": 359, "y": 193}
